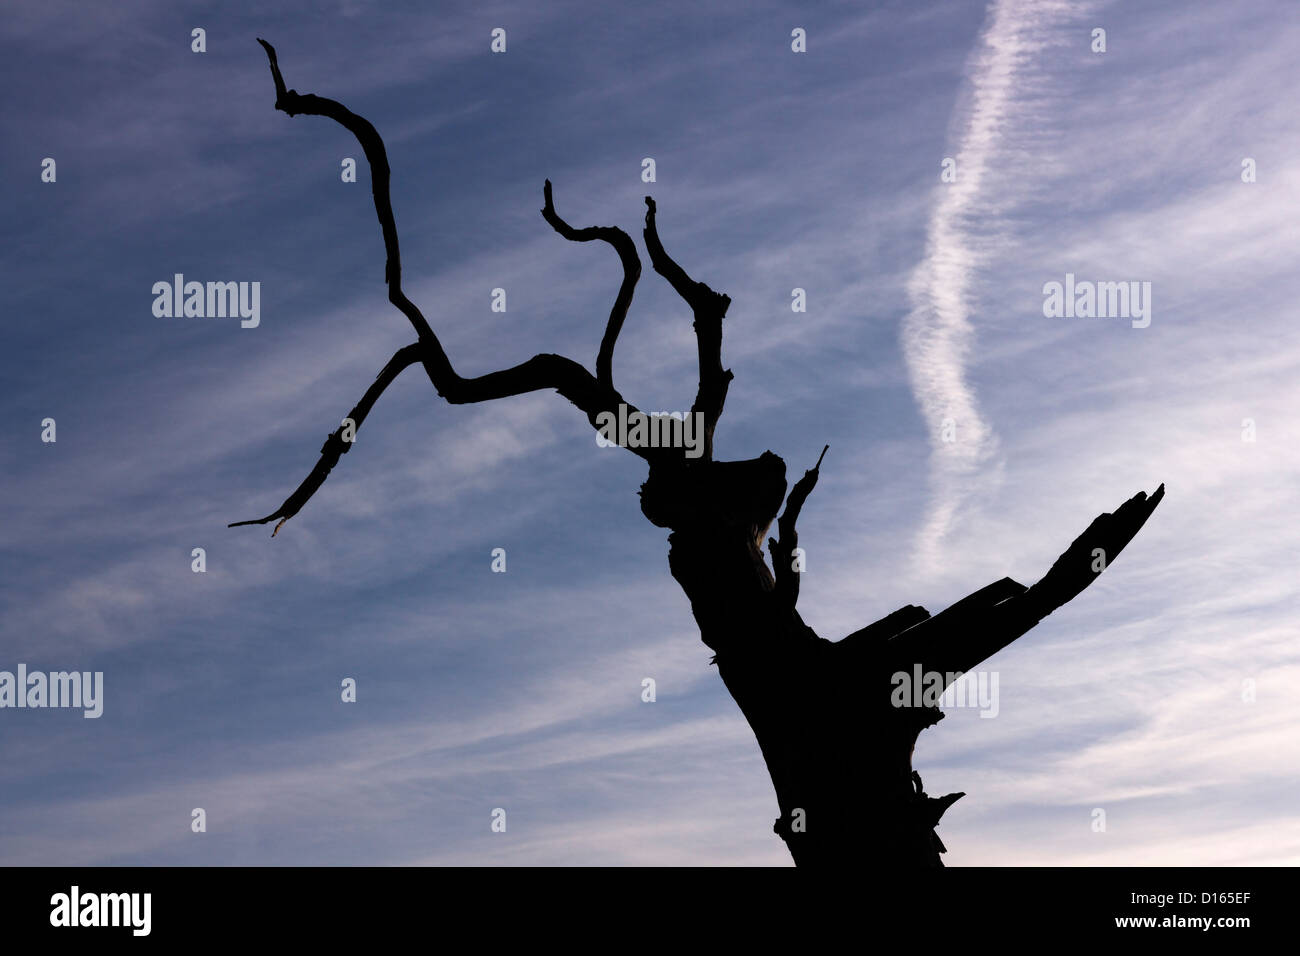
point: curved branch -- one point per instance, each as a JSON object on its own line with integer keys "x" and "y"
{"x": 626, "y": 250}
{"x": 593, "y": 396}
{"x": 292, "y": 102}
{"x": 709, "y": 308}
{"x": 787, "y": 579}
{"x": 542, "y": 371}
{"x": 694, "y": 293}
{"x": 335, "y": 445}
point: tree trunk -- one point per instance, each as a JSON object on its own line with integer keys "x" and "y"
{"x": 837, "y": 746}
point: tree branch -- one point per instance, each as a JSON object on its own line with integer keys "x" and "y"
{"x": 566, "y": 376}
{"x": 961, "y": 637}
{"x": 292, "y": 102}
{"x": 709, "y": 308}
{"x": 335, "y": 445}
{"x": 542, "y": 371}
{"x": 787, "y": 579}
{"x": 626, "y": 250}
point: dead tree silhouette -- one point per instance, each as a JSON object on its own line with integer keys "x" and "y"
{"x": 839, "y": 752}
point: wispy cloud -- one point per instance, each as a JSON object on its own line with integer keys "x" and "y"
{"x": 965, "y": 225}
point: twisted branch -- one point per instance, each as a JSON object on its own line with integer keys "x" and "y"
{"x": 709, "y": 308}
{"x": 590, "y": 394}
{"x": 626, "y": 250}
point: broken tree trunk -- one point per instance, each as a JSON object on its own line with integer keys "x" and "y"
{"x": 838, "y": 749}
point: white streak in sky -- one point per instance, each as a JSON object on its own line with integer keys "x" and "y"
{"x": 937, "y": 333}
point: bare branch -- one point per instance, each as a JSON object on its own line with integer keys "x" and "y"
{"x": 292, "y": 102}
{"x": 335, "y": 445}
{"x": 566, "y": 376}
{"x": 787, "y": 579}
{"x": 1091, "y": 553}
{"x": 542, "y": 371}
{"x": 694, "y": 293}
{"x": 709, "y": 308}
{"x": 626, "y": 250}
{"x": 959, "y": 638}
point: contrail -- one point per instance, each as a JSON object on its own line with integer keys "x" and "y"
{"x": 937, "y": 333}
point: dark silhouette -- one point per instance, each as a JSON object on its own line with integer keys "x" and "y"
{"x": 838, "y": 748}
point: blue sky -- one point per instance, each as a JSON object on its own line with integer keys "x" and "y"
{"x": 775, "y": 170}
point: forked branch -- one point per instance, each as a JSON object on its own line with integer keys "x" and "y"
{"x": 593, "y": 396}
